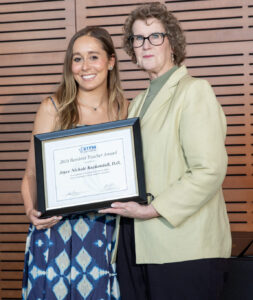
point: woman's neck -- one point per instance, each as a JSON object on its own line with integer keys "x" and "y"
{"x": 158, "y": 73}
{"x": 92, "y": 107}
{"x": 92, "y": 99}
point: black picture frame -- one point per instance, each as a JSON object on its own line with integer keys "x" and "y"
{"x": 48, "y": 150}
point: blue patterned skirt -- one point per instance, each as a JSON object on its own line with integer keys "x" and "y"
{"x": 71, "y": 260}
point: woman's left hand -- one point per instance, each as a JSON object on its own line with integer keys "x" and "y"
{"x": 131, "y": 210}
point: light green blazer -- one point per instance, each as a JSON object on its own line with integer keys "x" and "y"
{"x": 183, "y": 133}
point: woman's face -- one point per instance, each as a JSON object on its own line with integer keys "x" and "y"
{"x": 156, "y": 60}
{"x": 90, "y": 64}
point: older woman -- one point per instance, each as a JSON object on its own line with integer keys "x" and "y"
{"x": 175, "y": 247}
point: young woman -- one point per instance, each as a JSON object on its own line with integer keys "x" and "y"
{"x": 70, "y": 258}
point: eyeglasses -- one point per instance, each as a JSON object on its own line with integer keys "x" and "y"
{"x": 155, "y": 39}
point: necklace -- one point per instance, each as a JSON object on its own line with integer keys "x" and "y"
{"x": 92, "y": 107}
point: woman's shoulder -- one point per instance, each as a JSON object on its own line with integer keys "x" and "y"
{"x": 47, "y": 110}
{"x": 191, "y": 83}
{"x": 51, "y": 102}
{"x": 49, "y": 105}
{"x": 46, "y": 117}
{"x": 186, "y": 79}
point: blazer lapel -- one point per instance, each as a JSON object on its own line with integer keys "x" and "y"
{"x": 166, "y": 94}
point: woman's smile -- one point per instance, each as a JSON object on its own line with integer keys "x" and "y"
{"x": 88, "y": 77}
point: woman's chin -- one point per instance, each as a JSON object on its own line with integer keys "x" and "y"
{"x": 149, "y": 68}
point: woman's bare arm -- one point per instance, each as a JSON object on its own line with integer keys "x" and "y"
{"x": 44, "y": 122}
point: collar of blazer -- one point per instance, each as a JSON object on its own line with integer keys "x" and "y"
{"x": 164, "y": 95}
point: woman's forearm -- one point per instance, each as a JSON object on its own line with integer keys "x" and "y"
{"x": 28, "y": 192}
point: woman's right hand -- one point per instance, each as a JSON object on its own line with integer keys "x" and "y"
{"x": 34, "y": 215}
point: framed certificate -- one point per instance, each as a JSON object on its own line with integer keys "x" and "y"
{"x": 89, "y": 167}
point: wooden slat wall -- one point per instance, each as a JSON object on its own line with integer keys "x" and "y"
{"x": 33, "y": 38}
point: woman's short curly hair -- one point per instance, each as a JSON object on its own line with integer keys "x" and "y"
{"x": 171, "y": 25}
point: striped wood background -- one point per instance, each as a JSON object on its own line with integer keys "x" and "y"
{"x": 33, "y": 37}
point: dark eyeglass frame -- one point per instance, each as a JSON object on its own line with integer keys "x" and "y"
{"x": 131, "y": 38}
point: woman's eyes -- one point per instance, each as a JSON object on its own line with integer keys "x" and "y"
{"x": 78, "y": 59}
{"x": 93, "y": 57}
{"x": 155, "y": 36}
{"x": 139, "y": 37}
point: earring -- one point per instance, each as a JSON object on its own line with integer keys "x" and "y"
{"x": 172, "y": 58}
{"x": 110, "y": 68}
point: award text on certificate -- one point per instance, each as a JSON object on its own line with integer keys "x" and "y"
{"x": 90, "y": 168}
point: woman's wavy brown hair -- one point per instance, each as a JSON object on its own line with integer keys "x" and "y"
{"x": 66, "y": 94}
{"x": 170, "y": 23}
